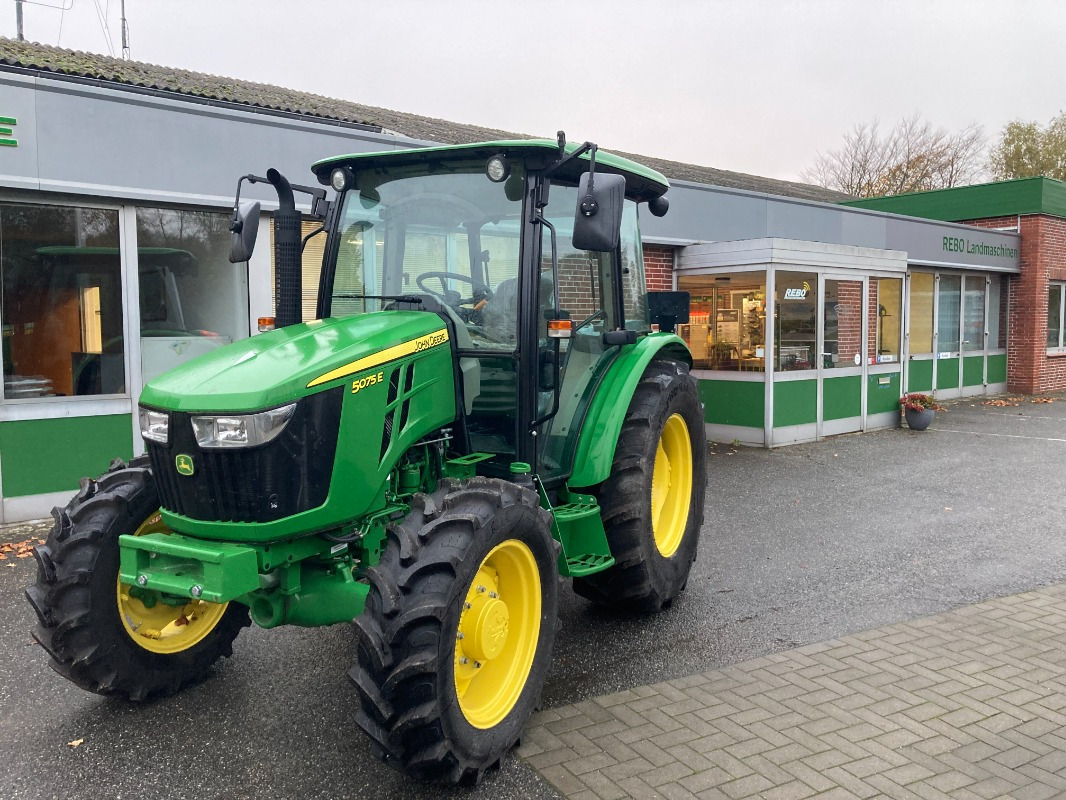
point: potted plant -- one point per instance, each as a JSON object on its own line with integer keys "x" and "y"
{"x": 919, "y": 410}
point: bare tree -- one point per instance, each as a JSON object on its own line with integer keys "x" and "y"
{"x": 913, "y": 157}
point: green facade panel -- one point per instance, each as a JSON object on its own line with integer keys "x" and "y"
{"x": 947, "y": 373}
{"x": 795, "y": 403}
{"x": 997, "y": 368}
{"x": 842, "y": 397}
{"x": 973, "y": 371}
{"x": 1001, "y": 199}
{"x": 883, "y": 393}
{"x": 733, "y": 402}
{"x": 919, "y": 376}
{"x": 50, "y": 455}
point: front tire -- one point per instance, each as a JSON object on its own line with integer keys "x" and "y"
{"x": 455, "y": 642}
{"x": 99, "y": 634}
{"x": 652, "y": 503}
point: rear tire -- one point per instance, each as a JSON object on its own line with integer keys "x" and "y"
{"x": 652, "y": 503}
{"x": 81, "y": 606}
{"x": 455, "y": 642}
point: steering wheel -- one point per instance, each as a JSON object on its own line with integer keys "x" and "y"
{"x": 479, "y": 292}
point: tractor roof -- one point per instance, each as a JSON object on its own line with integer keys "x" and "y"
{"x": 642, "y": 183}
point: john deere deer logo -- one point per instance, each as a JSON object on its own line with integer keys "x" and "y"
{"x": 183, "y": 464}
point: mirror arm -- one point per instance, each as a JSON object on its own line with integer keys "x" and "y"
{"x": 235, "y": 224}
{"x": 320, "y": 207}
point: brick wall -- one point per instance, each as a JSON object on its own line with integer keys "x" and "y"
{"x": 849, "y": 320}
{"x": 659, "y": 267}
{"x": 1043, "y": 258}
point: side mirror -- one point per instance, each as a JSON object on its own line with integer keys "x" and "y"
{"x": 598, "y": 217}
{"x": 245, "y": 227}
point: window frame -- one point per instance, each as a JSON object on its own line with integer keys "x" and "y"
{"x": 27, "y": 408}
{"x": 1060, "y": 348}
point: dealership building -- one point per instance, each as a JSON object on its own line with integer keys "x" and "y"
{"x": 809, "y": 317}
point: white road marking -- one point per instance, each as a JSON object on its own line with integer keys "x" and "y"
{"x": 1002, "y": 435}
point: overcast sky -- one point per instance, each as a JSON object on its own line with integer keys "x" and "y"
{"x": 747, "y": 85}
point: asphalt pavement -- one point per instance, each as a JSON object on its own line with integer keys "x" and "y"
{"x": 801, "y": 545}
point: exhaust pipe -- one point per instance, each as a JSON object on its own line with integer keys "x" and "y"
{"x": 288, "y": 269}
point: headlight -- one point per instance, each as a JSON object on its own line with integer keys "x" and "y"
{"x": 155, "y": 425}
{"x": 241, "y": 430}
{"x": 341, "y": 179}
{"x": 497, "y": 169}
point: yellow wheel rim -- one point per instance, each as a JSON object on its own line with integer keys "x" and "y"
{"x": 671, "y": 486}
{"x": 162, "y": 628}
{"x": 499, "y": 627}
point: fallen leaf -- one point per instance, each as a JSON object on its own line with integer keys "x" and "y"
{"x": 948, "y": 508}
{"x": 24, "y": 555}
{"x": 75, "y": 743}
{"x": 10, "y": 565}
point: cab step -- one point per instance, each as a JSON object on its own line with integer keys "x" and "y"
{"x": 579, "y": 528}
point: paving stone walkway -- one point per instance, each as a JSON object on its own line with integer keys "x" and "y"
{"x": 965, "y": 705}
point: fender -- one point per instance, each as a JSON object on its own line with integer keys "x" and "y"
{"x": 603, "y": 422}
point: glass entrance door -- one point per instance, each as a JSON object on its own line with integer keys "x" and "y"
{"x": 843, "y": 358}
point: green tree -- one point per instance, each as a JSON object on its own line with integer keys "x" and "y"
{"x": 1027, "y": 149}
{"x": 912, "y": 157}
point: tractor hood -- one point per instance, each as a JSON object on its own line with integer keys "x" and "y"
{"x": 275, "y": 368}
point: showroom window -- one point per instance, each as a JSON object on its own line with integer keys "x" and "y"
{"x": 889, "y": 314}
{"x": 796, "y": 320}
{"x": 921, "y": 313}
{"x": 727, "y": 321}
{"x": 998, "y": 288}
{"x": 62, "y": 301}
{"x": 1056, "y": 298}
{"x": 192, "y": 299}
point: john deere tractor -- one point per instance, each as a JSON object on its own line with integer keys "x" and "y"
{"x": 480, "y": 406}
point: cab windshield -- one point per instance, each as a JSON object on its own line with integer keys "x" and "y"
{"x": 441, "y": 230}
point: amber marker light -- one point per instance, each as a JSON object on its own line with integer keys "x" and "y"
{"x": 266, "y": 324}
{"x": 560, "y": 328}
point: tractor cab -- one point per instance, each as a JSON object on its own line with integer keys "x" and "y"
{"x": 537, "y": 292}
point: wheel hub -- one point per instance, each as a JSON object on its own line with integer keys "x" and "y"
{"x": 484, "y": 627}
{"x": 496, "y": 639}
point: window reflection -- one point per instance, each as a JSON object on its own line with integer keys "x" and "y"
{"x": 62, "y": 301}
{"x": 193, "y": 300}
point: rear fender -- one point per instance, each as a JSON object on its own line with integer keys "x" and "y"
{"x": 603, "y": 422}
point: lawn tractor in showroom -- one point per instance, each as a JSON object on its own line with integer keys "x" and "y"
{"x": 481, "y": 405}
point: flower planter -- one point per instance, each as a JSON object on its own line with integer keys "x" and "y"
{"x": 919, "y": 420}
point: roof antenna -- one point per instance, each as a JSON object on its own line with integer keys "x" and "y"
{"x": 125, "y": 34}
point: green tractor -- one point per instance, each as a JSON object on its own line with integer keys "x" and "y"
{"x": 480, "y": 407}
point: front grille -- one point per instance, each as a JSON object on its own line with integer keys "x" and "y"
{"x": 284, "y": 477}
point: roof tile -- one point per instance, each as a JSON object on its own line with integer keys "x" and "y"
{"x": 43, "y": 58}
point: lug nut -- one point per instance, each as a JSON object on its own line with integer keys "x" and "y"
{"x": 196, "y": 590}
{"x": 493, "y": 595}
{"x": 142, "y": 580}
{"x": 460, "y": 635}
{"x": 481, "y": 589}
{"x": 464, "y": 660}
{"x": 467, "y": 606}
{"x": 477, "y": 665}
